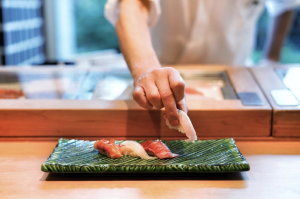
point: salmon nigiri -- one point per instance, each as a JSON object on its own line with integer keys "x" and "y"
{"x": 158, "y": 148}
{"x": 185, "y": 126}
{"x": 108, "y": 148}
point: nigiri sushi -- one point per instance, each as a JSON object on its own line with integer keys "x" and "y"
{"x": 134, "y": 149}
{"x": 158, "y": 148}
{"x": 185, "y": 126}
{"x": 108, "y": 148}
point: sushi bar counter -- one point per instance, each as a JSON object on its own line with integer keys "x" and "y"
{"x": 274, "y": 173}
{"x": 53, "y": 102}
{"x": 247, "y": 122}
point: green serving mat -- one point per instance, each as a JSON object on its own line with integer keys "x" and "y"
{"x": 79, "y": 156}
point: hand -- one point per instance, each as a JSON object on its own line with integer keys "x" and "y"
{"x": 161, "y": 87}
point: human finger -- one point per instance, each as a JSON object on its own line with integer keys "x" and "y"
{"x": 168, "y": 100}
{"x": 153, "y": 95}
{"x": 177, "y": 85}
{"x": 140, "y": 97}
{"x": 182, "y": 105}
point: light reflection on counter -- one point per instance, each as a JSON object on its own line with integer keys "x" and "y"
{"x": 291, "y": 79}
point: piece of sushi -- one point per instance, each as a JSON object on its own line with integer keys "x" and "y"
{"x": 108, "y": 148}
{"x": 185, "y": 126}
{"x": 158, "y": 148}
{"x": 134, "y": 149}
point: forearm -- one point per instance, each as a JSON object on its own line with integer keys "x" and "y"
{"x": 134, "y": 37}
{"x": 279, "y": 27}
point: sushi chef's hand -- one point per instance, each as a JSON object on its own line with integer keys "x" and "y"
{"x": 161, "y": 87}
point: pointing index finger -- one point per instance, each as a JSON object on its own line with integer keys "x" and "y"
{"x": 177, "y": 85}
{"x": 168, "y": 100}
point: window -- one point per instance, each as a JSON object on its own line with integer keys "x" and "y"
{"x": 93, "y": 31}
{"x": 22, "y": 26}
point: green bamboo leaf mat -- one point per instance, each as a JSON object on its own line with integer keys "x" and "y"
{"x": 79, "y": 156}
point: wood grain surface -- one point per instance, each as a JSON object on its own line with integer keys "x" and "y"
{"x": 286, "y": 119}
{"x": 274, "y": 174}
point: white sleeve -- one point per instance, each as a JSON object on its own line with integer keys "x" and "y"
{"x": 277, "y": 7}
{"x": 112, "y": 11}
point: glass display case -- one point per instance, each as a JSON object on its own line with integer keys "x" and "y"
{"x": 281, "y": 85}
{"x": 112, "y": 85}
{"x": 94, "y": 102}
{"x": 76, "y": 85}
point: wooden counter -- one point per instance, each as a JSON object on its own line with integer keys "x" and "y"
{"x": 286, "y": 118}
{"x": 274, "y": 174}
{"x": 44, "y": 118}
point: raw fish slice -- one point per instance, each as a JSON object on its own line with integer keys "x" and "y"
{"x": 108, "y": 148}
{"x": 185, "y": 126}
{"x": 154, "y": 147}
{"x": 10, "y": 94}
{"x": 134, "y": 149}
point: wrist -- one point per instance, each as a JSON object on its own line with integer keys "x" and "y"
{"x": 141, "y": 61}
{"x": 143, "y": 68}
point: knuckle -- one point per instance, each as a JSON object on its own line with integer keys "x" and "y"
{"x": 166, "y": 95}
{"x": 136, "y": 95}
{"x": 179, "y": 85}
{"x": 156, "y": 72}
{"x": 172, "y": 70}
{"x": 153, "y": 97}
{"x": 169, "y": 69}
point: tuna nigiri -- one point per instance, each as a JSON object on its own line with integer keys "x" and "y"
{"x": 159, "y": 149}
{"x": 185, "y": 126}
{"x": 134, "y": 149}
{"x": 108, "y": 148}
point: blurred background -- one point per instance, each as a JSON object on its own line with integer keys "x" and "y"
{"x": 48, "y": 32}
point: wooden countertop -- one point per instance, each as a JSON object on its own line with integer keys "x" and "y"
{"x": 274, "y": 174}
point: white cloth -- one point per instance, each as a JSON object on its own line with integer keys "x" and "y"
{"x": 205, "y": 31}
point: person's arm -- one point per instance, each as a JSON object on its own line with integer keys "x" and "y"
{"x": 279, "y": 26}
{"x": 154, "y": 86}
